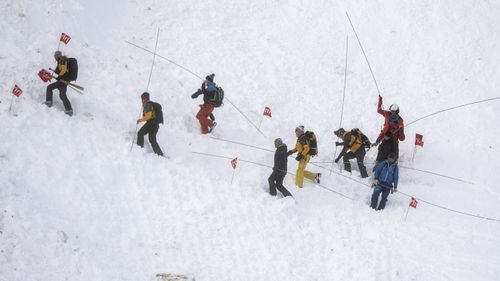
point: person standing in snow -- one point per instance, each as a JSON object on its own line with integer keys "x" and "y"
{"x": 208, "y": 89}
{"x": 386, "y": 147}
{"x": 64, "y": 72}
{"x": 385, "y": 180}
{"x": 303, "y": 156}
{"x": 152, "y": 115}
{"x": 393, "y": 123}
{"x": 279, "y": 169}
{"x": 354, "y": 143}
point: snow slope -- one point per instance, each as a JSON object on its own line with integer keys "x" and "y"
{"x": 77, "y": 204}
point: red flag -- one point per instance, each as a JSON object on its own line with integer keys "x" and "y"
{"x": 44, "y": 75}
{"x": 17, "y": 91}
{"x": 419, "y": 140}
{"x": 234, "y": 162}
{"x": 267, "y": 111}
{"x": 413, "y": 202}
{"x": 65, "y": 38}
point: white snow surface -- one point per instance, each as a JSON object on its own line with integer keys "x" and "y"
{"x": 77, "y": 204}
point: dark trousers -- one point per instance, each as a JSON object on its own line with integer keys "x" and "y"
{"x": 376, "y": 192}
{"x": 276, "y": 182}
{"x": 150, "y": 129}
{"x": 360, "y": 157}
{"x": 62, "y": 93}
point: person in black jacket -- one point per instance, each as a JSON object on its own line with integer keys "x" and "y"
{"x": 63, "y": 72}
{"x": 151, "y": 127}
{"x": 279, "y": 169}
{"x": 387, "y": 146}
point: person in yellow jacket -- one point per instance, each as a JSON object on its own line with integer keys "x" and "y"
{"x": 63, "y": 72}
{"x": 354, "y": 143}
{"x": 153, "y": 120}
{"x": 303, "y": 156}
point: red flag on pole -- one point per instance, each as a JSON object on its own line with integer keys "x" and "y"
{"x": 413, "y": 202}
{"x": 234, "y": 162}
{"x": 44, "y": 75}
{"x": 419, "y": 140}
{"x": 17, "y": 91}
{"x": 65, "y": 38}
{"x": 267, "y": 111}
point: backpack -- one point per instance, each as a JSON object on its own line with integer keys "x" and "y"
{"x": 73, "y": 69}
{"x": 218, "y": 98}
{"x": 157, "y": 112}
{"x": 361, "y": 138}
{"x": 313, "y": 144}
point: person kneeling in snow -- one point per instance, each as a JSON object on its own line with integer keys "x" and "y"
{"x": 279, "y": 169}
{"x": 153, "y": 116}
{"x": 385, "y": 180}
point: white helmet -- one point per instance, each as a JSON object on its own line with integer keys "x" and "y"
{"x": 394, "y": 107}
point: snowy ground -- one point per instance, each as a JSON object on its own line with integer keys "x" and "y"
{"x": 77, "y": 204}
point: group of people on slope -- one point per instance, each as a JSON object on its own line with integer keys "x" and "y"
{"x": 355, "y": 145}
{"x": 151, "y": 111}
{"x": 354, "y": 142}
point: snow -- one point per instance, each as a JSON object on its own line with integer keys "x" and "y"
{"x": 76, "y": 203}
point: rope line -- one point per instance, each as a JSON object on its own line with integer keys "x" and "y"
{"x": 267, "y": 166}
{"x": 364, "y": 184}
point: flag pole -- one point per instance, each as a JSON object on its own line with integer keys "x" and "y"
{"x": 414, "y": 152}
{"x": 234, "y": 171}
{"x": 11, "y": 101}
{"x": 261, "y": 119}
{"x": 407, "y": 210}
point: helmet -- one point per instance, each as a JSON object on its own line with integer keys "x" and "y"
{"x": 339, "y": 132}
{"x": 57, "y": 54}
{"x": 145, "y": 96}
{"x": 278, "y": 142}
{"x": 394, "y": 108}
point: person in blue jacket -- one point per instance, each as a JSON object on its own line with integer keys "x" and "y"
{"x": 385, "y": 180}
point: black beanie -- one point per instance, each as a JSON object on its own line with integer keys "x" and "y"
{"x": 210, "y": 77}
{"x": 145, "y": 96}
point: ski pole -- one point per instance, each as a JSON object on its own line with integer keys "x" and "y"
{"x": 364, "y": 54}
{"x": 343, "y": 97}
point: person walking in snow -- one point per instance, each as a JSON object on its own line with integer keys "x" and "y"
{"x": 64, "y": 72}
{"x": 393, "y": 123}
{"x": 386, "y": 147}
{"x": 385, "y": 180}
{"x": 205, "y": 115}
{"x": 302, "y": 147}
{"x": 354, "y": 143}
{"x": 279, "y": 169}
{"x": 153, "y": 116}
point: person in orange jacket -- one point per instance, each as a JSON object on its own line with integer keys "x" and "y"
{"x": 393, "y": 122}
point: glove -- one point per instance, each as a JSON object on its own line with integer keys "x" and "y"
{"x": 392, "y": 190}
{"x": 375, "y": 182}
{"x": 338, "y": 143}
{"x": 337, "y": 160}
{"x": 195, "y": 95}
{"x": 395, "y": 189}
{"x": 138, "y": 121}
{"x": 374, "y": 144}
{"x": 299, "y": 157}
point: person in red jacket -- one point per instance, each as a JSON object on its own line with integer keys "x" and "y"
{"x": 393, "y": 123}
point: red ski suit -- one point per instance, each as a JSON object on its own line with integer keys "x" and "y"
{"x": 397, "y": 129}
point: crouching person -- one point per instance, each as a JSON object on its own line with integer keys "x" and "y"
{"x": 279, "y": 169}
{"x": 385, "y": 180}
